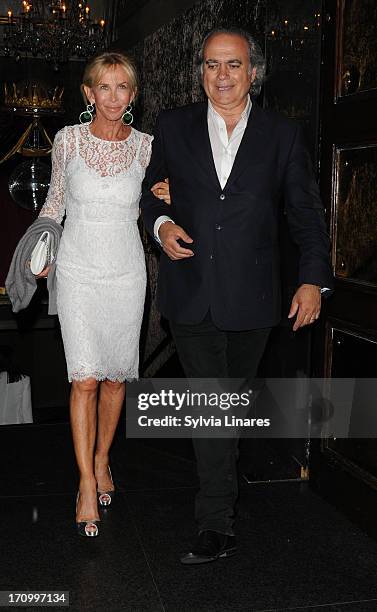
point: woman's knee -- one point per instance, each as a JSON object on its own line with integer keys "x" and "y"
{"x": 89, "y": 385}
{"x": 113, "y": 386}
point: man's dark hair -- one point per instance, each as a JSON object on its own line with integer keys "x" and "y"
{"x": 255, "y": 54}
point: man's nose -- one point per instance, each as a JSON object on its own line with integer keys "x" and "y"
{"x": 223, "y": 71}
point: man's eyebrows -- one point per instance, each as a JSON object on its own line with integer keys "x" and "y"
{"x": 230, "y": 61}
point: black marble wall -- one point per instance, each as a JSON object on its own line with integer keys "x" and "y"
{"x": 293, "y": 52}
{"x": 167, "y": 57}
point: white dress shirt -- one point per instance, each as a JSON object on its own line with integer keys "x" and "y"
{"x": 224, "y": 149}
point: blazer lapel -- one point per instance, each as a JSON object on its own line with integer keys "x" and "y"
{"x": 201, "y": 146}
{"x": 252, "y": 145}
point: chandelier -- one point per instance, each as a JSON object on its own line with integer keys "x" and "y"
{"x": 29, "y": 181}
{"x": 56, "y": 31}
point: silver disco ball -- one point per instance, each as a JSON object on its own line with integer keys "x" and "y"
{"x": 29, "y": 183}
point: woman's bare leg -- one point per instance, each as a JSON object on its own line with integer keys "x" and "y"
{"x": 111, "y": 397}
{"x": 83, "y": 410}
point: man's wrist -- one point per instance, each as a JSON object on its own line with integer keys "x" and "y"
{"x": 160, "y": 221}
{"x": 312, "y": 285}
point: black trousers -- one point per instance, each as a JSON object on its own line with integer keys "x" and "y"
{"x": 208, "y": 352}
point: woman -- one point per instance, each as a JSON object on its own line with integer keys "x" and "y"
{"x": 97, "y": 170}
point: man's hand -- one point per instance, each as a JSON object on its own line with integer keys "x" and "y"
{"x": 169, "y": 233}
{"x": 306, "y": 303}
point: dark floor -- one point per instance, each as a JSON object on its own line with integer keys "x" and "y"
{"x": 295, "y": 551}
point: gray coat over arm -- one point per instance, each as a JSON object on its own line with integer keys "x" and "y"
{"x": 21, "y": 283}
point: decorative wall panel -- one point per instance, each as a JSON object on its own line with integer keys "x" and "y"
{"x": 356, "y": 357}
{"x": 358, "y": 56}
{"x": 356, "y": 213}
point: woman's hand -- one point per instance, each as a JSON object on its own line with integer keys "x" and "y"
{"x": 161, "y": 191}
{"x": 44, "y": 273}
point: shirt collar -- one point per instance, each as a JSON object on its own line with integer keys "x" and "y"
{"x": 244, "y": 115}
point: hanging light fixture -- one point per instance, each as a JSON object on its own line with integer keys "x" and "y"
{"x": 29, "y": 181}
{"x": 57, "y": 31}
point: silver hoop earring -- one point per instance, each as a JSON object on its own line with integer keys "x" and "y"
{"x": 127, "y": 117}
{"x": 87, "y": 115}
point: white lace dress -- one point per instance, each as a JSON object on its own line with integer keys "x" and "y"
{"x": 100, "y": 266}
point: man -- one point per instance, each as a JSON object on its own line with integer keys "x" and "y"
{"x": 230, "y": 164}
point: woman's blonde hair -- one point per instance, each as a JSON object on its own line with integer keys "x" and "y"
{"x": 96, "y": 67}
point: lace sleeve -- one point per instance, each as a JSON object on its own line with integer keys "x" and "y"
{"x": 54, "y": 206}
{"x": 145, "y": 150}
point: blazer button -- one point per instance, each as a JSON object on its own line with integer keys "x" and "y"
{"x": 219, "y": 227}
{"x": 222, "y": 197}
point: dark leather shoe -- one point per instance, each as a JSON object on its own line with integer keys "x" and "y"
{"x": 210, "y": 546}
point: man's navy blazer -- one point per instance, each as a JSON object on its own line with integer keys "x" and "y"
{"x": 235, "y": 270}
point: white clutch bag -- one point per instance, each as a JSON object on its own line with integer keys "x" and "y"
{"x": 41, "y": 255}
